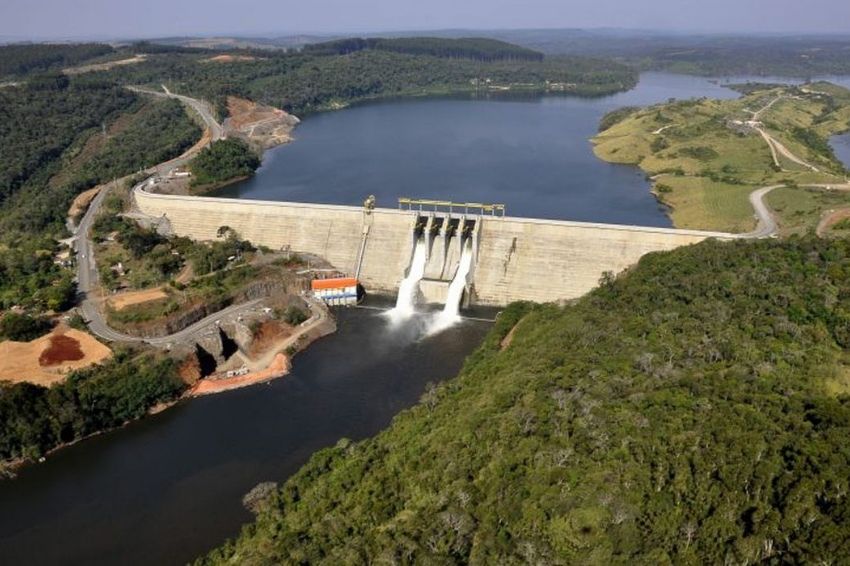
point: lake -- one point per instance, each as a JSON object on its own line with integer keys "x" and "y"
{"x": 531, "y": 153}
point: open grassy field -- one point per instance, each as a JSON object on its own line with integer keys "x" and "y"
{"x": 707, "y": 155}
{"x": 800, "y": 209}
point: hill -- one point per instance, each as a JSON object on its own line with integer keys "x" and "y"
{"x": 694, "y": 410}
{"x": 335, "y": 74}
{"x": 480, "y": 49}
{"x": 706, "y": 156}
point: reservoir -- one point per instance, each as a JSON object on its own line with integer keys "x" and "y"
{"x": 169, "y": 488}
{"x": 841, "y": 146}
{"x": 531, "y": 153}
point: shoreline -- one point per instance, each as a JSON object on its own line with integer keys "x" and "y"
{"x": 319, "y": 325}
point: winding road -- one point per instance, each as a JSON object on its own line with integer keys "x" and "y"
{"x": 87, "y": 277}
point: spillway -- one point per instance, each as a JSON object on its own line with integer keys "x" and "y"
{"x": 451, "y": 311}
{"x": 405, "y": 305}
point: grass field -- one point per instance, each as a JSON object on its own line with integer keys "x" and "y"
{"x": 706, "y": 155}
{"x": 800, "y": 209}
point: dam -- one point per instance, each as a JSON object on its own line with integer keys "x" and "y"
{"x": 511, "y": 259}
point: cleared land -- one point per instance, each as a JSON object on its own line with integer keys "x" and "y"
{"x": 264, "y": 125}
{"x": 705, "y": 156}
{"x": 49, "y": 359}
{"x": 133, "y": 298}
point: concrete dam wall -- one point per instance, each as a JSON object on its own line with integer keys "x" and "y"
{"x": 514, "y": 258}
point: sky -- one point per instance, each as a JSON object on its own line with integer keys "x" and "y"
{"x": 106, "y": 19}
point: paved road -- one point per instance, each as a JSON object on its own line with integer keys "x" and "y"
{"x": 766, "y": 226}
{"x": 201, "y": 107}
{"x": 87, "y": 276}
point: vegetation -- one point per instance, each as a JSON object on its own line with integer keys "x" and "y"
{"x": 616, "y": 116}
{"x": 37, "y": 126}
{"x": 479, "y": 49}
{"x": 692, "y": 411}
{"x": 303, "y": 83}
{"x": 34, "y": 419}
{"x": 52, "y": 132}
{"x": 705, "y": 157}
{"x": 714, "y": 55}
{"x": 22, "y": 327}
{"x": 223, "y": 161}
{"x": 18, "y": 60}
{"x": 30, "y": 278}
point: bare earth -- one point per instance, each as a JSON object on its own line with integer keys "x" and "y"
{"x": 104, "y": 66}
{"x": 264, "y": 125}
{"x": 230, "y": 59}
{"x": 831, "y": 218}
{"x": 279, "y": 367}
{"x": 130, "y": 298}
{"x": 48, "y": 359}
{"x": 81, "y": 203}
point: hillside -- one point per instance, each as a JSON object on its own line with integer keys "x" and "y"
{"x": 345, "y": 72}
{"x": 706, "y": 156}
{"x": 695, "y": 410}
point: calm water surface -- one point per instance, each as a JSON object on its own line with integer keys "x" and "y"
{"x": 168, "y": 488}
{"x": 533, "y": 154}
{"x": 841, "y": 147}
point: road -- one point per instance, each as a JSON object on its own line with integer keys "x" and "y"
{"x": 87, "y": 277}
{"x": 199, "y": 106}
{"x": 766, "y": 226}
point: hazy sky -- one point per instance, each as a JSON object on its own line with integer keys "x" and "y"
{"x": 146, "y": 18}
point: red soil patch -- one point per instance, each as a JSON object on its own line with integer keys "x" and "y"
{"x": 267, "y": 335}
{"x": 190, "y": 370}
{"x": 61, "y": 349}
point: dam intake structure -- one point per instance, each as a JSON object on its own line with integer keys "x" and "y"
{"x": 510, "y": 259}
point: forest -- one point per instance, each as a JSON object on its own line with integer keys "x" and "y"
{"x": 694, "y": 410}
{"x": 303, "y": 83}
{"x": 20, "y": 59}
{"x": 223, "y": 161}
{"x": 34, "y": 419}
{"x": 479, "y": 49}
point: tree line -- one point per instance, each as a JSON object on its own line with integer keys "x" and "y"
{"x": 477, "y": 48}
{"x": 35, "y": 419}
{"x": 21, "y": 59}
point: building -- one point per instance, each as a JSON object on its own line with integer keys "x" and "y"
{"x": 337, "y": 291}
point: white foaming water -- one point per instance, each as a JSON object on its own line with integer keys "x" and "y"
{"x": 405, "y": 304}
{"x": 451, "y": 312}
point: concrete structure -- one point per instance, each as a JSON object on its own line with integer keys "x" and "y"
{"x": 336, "y": 291}
{"x": 514, "y": 258}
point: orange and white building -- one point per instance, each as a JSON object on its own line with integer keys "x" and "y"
{"x": 337, "y": 291}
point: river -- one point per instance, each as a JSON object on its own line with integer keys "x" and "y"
{"x": 168, "y": 488}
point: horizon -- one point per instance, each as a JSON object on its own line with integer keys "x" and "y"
{"x": 105, "y": 20}
{"x": 422, "y": 32}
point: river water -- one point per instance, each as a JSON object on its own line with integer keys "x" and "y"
{"x": 168, "y": 488}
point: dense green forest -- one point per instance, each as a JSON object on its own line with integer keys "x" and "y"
{"x": 21, "y": 59}
{"x": 694, "y": 410}
{"x": 302, "y": 83}
{"x": 222, "y": 161}
{"x": 34, "y": 419}
{"x": 58, "y": 141}
{"x": 480, "y": 49}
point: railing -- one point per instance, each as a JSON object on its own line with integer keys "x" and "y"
{"x": 427, "y": 205}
